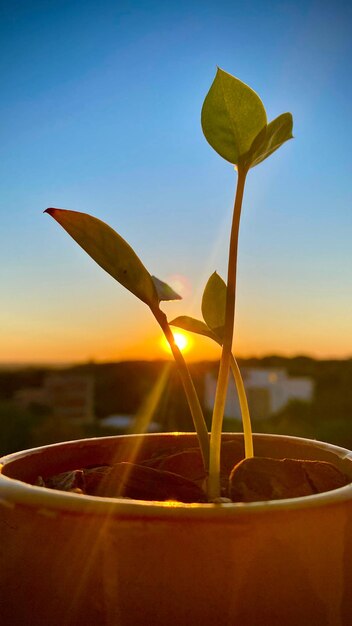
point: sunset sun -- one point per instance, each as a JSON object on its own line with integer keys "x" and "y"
{"x": 183, "y": 342}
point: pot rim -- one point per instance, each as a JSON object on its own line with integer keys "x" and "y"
{"x": 14, "y": 492}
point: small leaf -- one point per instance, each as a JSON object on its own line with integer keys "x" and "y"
{"x": 214, "y": 304}
{"x": 232, "y": 116}
{"x": 194, "y": 326}
{"x": 164, "y": 291}
{"x": 110, "y": 251}
{"x": 270, "y": 139}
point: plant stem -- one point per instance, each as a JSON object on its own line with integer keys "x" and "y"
{"x": 191, "y": 394}
{"x": 246, "y": 420}
{"x": 221, "y": 389}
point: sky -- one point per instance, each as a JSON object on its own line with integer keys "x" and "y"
{"x": 100, "y": 112}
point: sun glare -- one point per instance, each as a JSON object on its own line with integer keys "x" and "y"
{"x": 182, "y": 341}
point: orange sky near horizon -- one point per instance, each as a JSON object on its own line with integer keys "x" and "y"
{"x": 106, "y": 323}
{"x": 91, "y": 318}
{"x": 73, "y": 345}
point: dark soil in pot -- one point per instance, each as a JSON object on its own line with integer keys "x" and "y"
{"x": 180, "y": 476}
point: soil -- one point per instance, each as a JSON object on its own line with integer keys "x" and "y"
{"x": 180, "y": 476}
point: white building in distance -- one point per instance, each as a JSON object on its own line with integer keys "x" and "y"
{"x": 268, "y": 391}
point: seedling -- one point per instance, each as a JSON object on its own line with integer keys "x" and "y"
{"x": 235, "y": 124}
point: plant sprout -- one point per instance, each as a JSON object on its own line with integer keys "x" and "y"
{"x": 234, "y": 123}
{"x": 213, "y": 310}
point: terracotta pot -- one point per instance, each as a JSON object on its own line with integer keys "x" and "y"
{"x": 76, "y": 560}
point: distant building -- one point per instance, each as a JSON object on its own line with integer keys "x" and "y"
{"x": 66, "y": 396}
{"x": 268, "y": 391}
{"x": 71, "y": 397}
{"x": 29, "y": 396}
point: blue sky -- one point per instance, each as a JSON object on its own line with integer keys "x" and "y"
{"x": 100, "y": 112}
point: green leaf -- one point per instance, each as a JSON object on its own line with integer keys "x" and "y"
{"x": 214, "y": 304}
{"x": 110, "y": 251}
{"x": 194, "y": 326}
{"x": 232, "y": 116}
{"x": 270, "y": 139}
{"x": 164, "y": 291}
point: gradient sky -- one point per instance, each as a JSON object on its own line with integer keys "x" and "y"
{"x": 100, "y": 112}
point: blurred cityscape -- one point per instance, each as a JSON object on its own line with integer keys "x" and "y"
{"x": 297, "y": 396}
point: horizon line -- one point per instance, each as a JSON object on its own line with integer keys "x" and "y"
{"x": 65, "y": 364}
